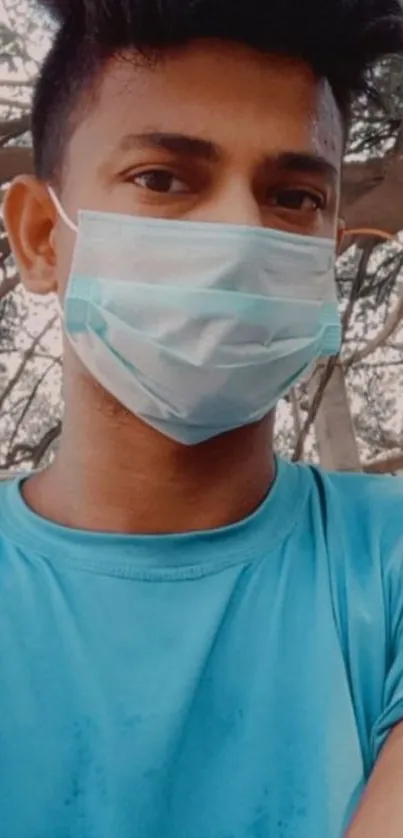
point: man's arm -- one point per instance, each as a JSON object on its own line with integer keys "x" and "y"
{"x": 381, "y": 812}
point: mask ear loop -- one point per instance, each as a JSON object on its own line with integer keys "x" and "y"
{"x": 368, "y": 231}
{"x": 73, "y": 227}
{"x": 61, "y": 211}
{"x": 59, "y": 308}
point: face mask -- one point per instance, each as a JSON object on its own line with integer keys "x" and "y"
{"x": 198, "y": 328}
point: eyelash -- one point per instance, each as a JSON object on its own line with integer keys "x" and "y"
{"x": 320, "y": 200}
{"x": 168, "y": 173}
{"x": 304, "y": 193}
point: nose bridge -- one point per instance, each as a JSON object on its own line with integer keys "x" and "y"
{"x": 232, "y": 202}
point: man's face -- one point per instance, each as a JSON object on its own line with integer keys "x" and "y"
{"x": 214, "y": 133}
{"x": 211, "y": 132}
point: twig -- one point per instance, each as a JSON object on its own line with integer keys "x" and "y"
{"x": 17, "y": 82}
{"x": 12, "y": 127}
{"x": 390, "y": 327}
{"x": 43, "y": 447}
{"x": 5, "y": 102}
{"x": 5, "y": 249}
{"x": 382, "y": 365}
{"x": 8, "y": 285}
{"x": 380, "y": 439}
{"x": 296, "y": 413}
{"x": 27, "y": 406}
{"x": 26, "y": 358}
{"x": 33, "y": 453}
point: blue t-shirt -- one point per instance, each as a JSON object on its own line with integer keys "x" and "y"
{"x": 228, "y": 684}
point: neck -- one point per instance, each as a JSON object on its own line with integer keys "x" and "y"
{"x": 113, "y": 473}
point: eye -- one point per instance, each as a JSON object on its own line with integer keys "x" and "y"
{"x": 160, "y": 180}
{"x": 301, "y": 200}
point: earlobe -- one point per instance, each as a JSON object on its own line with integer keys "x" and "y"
{"x": 30, "y": 219}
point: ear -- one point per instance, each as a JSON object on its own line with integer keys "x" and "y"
{"x": 30, "y": 220}
{"x": 341, "y": 228}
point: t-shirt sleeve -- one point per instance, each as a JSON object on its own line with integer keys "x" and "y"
{"x": 392, "y": 570}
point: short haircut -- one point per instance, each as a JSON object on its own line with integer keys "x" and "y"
{"x": 340, "y": 39}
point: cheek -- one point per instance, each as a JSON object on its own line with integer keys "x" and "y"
{"x": 329, "y": 228}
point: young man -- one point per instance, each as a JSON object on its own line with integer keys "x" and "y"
{"x": 196, "y": 640}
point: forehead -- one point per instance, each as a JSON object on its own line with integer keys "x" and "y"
{"x": 247, "y": 103}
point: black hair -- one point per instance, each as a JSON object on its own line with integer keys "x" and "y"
{"x": 340, "y": 39}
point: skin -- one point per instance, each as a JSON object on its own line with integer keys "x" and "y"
{"x": 112, "y": 472}
{"x": 381, "y": 811}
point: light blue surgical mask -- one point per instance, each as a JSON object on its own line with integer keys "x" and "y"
{"x": 198, "y": 328}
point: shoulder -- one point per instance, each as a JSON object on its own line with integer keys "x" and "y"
{"x": 381, "y": 496}
{"x": 9, "y": 491}
{"x": 7, "y": 481}
{"x": 369, "y": 499}
{"x": 353, "y": 491}
{"x": 4, "y": 476}
{"x": 362, "y": 515}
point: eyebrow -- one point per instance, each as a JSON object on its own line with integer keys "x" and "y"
{"x": 197, "y": 148}
{"x": 292, "y": 161}
{"x": 179, "y": 144}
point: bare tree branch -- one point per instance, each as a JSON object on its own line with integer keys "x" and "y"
{"x": 5, "y": 249}
{"x": 14, "y": 127}
{"x": 8, "y": 285}
{"x": 26, "y": 358}
{"x": 40, "y": 451}
{"x": 295, "y": 406}
{"x": 33, "y": 453}
{"x": 27, "y": 405}
{"x": 386, "y": 465}
{"x": 17, "y": 82}
{"x": 380, "y": 439}
{"x": 390, "y": 327}
{"x": 8, "y": 102}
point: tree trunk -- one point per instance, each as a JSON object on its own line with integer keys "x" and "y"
{"x": 334, "y": 429}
